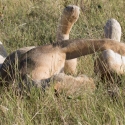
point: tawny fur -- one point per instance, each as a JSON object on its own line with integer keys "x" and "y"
{"x": 71, "y": 85}
{"x": 114, "y": 62}
{"x": 69, "y": 16}
{"x": 109, "y": 61}
{"x": 45, "y": 61}
{"x": 65, "y": 82}
{"x": 10, "y": 62}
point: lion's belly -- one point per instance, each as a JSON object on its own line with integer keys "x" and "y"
{"x": 50, "y": 65}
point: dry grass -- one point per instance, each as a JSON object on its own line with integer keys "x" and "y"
{"x": 34, "y": 22}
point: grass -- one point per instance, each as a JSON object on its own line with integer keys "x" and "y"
{"x": 29, "y": 23}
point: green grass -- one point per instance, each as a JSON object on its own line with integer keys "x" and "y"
{"x": 34, "y": 22}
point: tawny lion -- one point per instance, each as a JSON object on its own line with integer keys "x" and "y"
{"x": 110, "y": 62}
{"x": 43, "y": 62}
{"x": 69, "y": 16}
{"x": 72, "y": 85}
{"x": 62, "y": 81}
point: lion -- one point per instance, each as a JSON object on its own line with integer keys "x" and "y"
{"x": 110, "y": 62}
{"x": 72, "y": 85}
{"x": 45, "y": 61}
{"x": 69, "y": 16}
